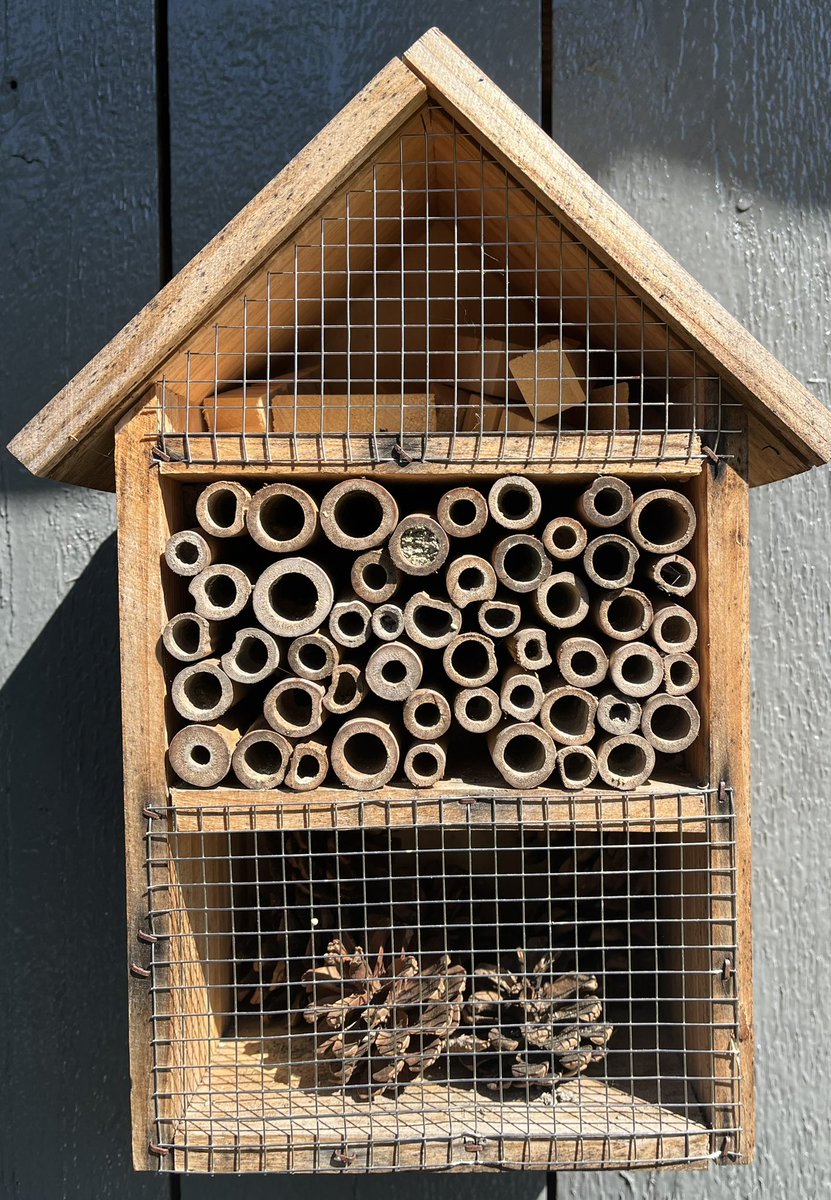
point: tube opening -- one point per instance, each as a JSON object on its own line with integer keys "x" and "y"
{"x": 252, "y": 656}
{"x": 570, "y": 715}
{"x": 312, "y": 656}
{"x": 462, "y": 512}
{"x": 293, "y": 596}
{"x": 222, "y": 508}
{"x": 675, "y": 575}
{"x": 365, "y": 753}
{"x": 680, "y": 673}
{"x": 562, "y": 599}
{"x": 533, "y": 649}
{"x": 263, "y": 758}
{"x": 282, "y": 517}
{"x": 471, "y": 579}
{"x": 670, "y": 722}
{"x": 427, "y": 714}
{"x": 432, "y": 622}
{"x": 203, "y": 690}
{"x": 637, "y": 669}
{"x": 308, "y": 768}
{"x": 607, "y": 501}
{"x": 393, "y": 671}
{"x": 221, "y": 591}
{"x": 524, "y": 753}
{"x": 584, "y": 663}
{"x": 522, "y": 696}
{"x": 358, "y": 514}
{"x": 620, "y": 712}
{"x": 200, "y": 755}
{"x": 350, "y": 623}
{"x": 663, "y": 521}
{"x": 564, "y": 537}
{"x": 294, "y": 705}
{"x": 345, "y": 688}
{"x": 522, "y": 562}
{"x": 425, "y": 764}
{"x": 500, "y": 618}
{"x": 390, "y": 622}
{"x": 478, "y": 708}
{"x": 675, "y": 629}
{"x": 626, "y": 760}
{"x": 470, "y": 659}
{"x": 610, "y": 561}
{"x": 625, "y": 614}
{"x": 579, "y": 768}
{"x": 186, "y": 635}
{"x": 374, "y": 576}
{"x": 186, "y": 552}
{"x": 514, "y": 503}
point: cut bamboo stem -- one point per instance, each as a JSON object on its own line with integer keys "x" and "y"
{"x": 419, "y": 545}
{"x": 582, "y": 662}
{"x": 636, "y": 669}
{"x": 470, "y": 579}
{"x": 499, "y": 618}
{"x": 358, "y": 514}
{"x": 670, "y": 723}
{"x": 394, "y": 671}
{"x": 220, "y": 592}
{"x": 515, "y": 502}
{"x": 562, "y": 600}
{"x": 282, "y": 518}
{"x": 609, "y": 560}
{"x": 618, "y": 714}
{"x": 674, "y": 629}
{"x": 346, "y": 690}
{"x": 624, "y": 615}
{"x": 189, "y": 637}
{"x": 567, "y": 715}
{"x": 470, "y": 660}
{"x": 577, "y": 766}
{"x": 349, "y": 623}
{"x": 672, "y": 574}
{"x": 521, "y": 694}
{"x": 523, "y": 753}
{"x": 201, "y": 754}
{"x": 189, "y": 552}
{"x": 308, "y": 767}
{"x": 681, "y": 674}
{"x": 427, "y": 714}
{"x": 462, "y": 512}
{"x": 388, "y": 622}
{"x": 375, "y": 577}
{"x": 221, "y": 508}
{"x": 365, "y": 752}
{"x": 425, "y": 763}
{"x": 294, "y": 707}
{"x": 520, "y": 562}
{"x": 662, "y": 521}
{"x": 528, "y": 647}
{"x": 477, "y": 709}
{"x": 313, "y": 656}
{"x": 261, "y": 758}
{"x": 626, "y": 761}
{"x": 254, "y": 655}
{"x": 202, "y": 691}
{"x": 292, "y": 597}
{"x": 431, "y": 622}
{"x": 564, "y": 538}
{"x": 606, "y": 502}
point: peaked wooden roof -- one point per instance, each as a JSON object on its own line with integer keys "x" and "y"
{"x": 71, "y": 438}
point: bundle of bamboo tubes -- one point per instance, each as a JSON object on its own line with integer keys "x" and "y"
{"x": 367, "y": 633}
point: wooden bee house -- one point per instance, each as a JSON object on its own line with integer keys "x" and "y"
{"x": 432, "y": 475}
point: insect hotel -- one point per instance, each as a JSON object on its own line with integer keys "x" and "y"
{"x": 432, "y": 475}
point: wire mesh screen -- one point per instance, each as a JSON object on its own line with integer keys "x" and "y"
{"x": 380, "y": 994}
{"x": 436, "y": 306}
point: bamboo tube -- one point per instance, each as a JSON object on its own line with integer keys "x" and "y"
{"x": 419, "y": 545}
{"x": 388, "y": 622}
{"x": 201, "y": 754}
{"x": 254, "y": 655}
{"x": 220, "y": 592}
{"x": 313, "y": 656}
{"x": 672, "y": 574}
{"x": 346, "y": 690}
{"x": 470, "y": 579}
{"x": 528, "y": 647}
{"x": 358, "y": 514}
{"x": 521, "y": 694}
{"x": 624, "y": 615}
{"x": 562, "y": 600}
{"x": 349, "y": 623}
{"x": 375, "y": 577}
{"x": 308, "y": 767}
{"x": 365, "y": 752}
{"x": 515, "y": 502}
{"x": 520, "y": 562}
{"x": 394, "y": 671}
{"x": 662, "y": 521}
{"x": 202, "y": 692}
{"x": 462, "y": 512}
{"x": 292, "y": 597}
{"x": 670, "y": 723}
{"x": 636, "y": 669}
{"x": 221, "y": 508}
{"x": 681, "y": 674}
{"x": 564, "y": 538}
{"x": 294, "y": 707}
{"x": 427, "y": 714}
{"x": 524, "y": 754}
{"x": 431, "y": 622}
{"x": 609, "y": 560}
{"x": 425, "y": 763}
{"x": 618, "y": 714}
{"x": 567, "y": 715}
{"x": 577, "y": 766}
{"x": 189, "y": 637}
{"x": 626, "y": 761}
{"x": 582, "y": 662}
{"x": 470, "y": 660}
{"x": 261, "y": 757}
{"x": 674, "y": 629}
{"x": 499, "y": 618}
{"x": 606, "y": 502}
{"x": 282, "y": 518}
{"x": 189, "y": 552}
{"x": 477, "y": 709}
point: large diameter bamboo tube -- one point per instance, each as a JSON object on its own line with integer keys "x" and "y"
{"x": 609, "y": 560}
{"x": 189, "y": 637}
{"x": 202, "y": 691}
{"x": 636, "y": 669}
{"x": 681, "y": 674}
{"x": 253, "y": 656}
{"x": 388, "y": 622}
{"x": 425, "y": 763}
{"x": 662, "y": 521}
{"x": 221, "y": 508}
{"x": 308, "y": 767}
{"x": 470, "y": 580}
{"x": 427, "y": 714}
{"x": 515, "y": 502}
{"x": 528, "y": 647}
{"x": 292, "y": 597}
{"x": 375, "y": 577}
{"x": 624, "y": 615}
{"x": 358, "y": 514}
{"x": 670, "y": 723}
{"x": 618, "y": 714}
{"x": 524, "y": 754}
{"x": 582, "y": 662}
{"x": 294, "y": 707}
{"x": 313, "y": 656}
{"x": 477, "y": 709}
{"x": 626, "y": 761}
{"x": 521, "y": 694}
{"x": 189, "y": 552}
{"x": 567, "y": 715}
{"x": 470, "y": 660}
{"x": 577, "y": 766}
{"x": 498, "y": 618}
{"x": 562, "y": 600}
{"x": 261, "y": 757}
{"x": 564, "y": 538}
{"x": 672, "y": 574}
{"x": 346, "y": 690}
{"x": 520, "y": 562}
{"x": 419, "y": 545}
{"x": 606, "y": 502}
{"x": 282, "y": 518}
{"x": 431, "y": 622}
{"x": 674, "y": 629}
{"x": 462, "y": 512}
{"x": 349, "y": 623}
{"x": 394, "y": 671}
{"x": 220, "y": 592}
{"x": 365, "y": 752}
{"x": 201, "y": 754}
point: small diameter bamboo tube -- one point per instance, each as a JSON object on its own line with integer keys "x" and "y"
{"x": 294, "y": 707}
{"x": 346, "y": 690}
{"x": 562, "y": 600}
{"x": 470, "y": 580}
{"x": 375, "y": 577}
{"x": 313, "y": 656}
{"x": 515, "y": 502}
{"x": 220, "y": 592}
{"x": 567, "y": 715}
{"x": 674, "y": 629}
{"x": 618, "y": 714}
{"x": 681, "y": 674}
{"x": 427, "y": 714}
{"x": 254, "y": 655}
{"x": 624, "y": 615}
{"x": 462, "y": 512}
{"x": 477, "y": 709}
{"x": 201, "y": 754}
{"x": 582, "y": 662}
{"x": 636, "y": 669}
{"x": 662, "y": 521}
{"x": 189, "y": 637}
{"x": 672, "y": 574}
{"x": 202, "y": 691}
{"x": 221, "y": 508}
{"x": 528, "y": 647}
{"x": 282, "y": 518}
{"x": 577, "y": 766}
{"x": 349, "y": 623}
{"x": 189, "y": 552}
{"x": 670, "y": 723}
{"x": 606, "y": 503}
{"x": 365, "y": 752}
{"x": 261, "y": 758}
{"x": 524, "y": 754}
{"x": 609, "y": 560}
{"x": 308, "y": 767}
{"x": 520, "y": 562}
{"x": 431, "y": 622}
{"x": 292, "y": 597}
{"x": 499, "y": 618}
{"x": 425, "y": 763}
{"x": 625, "y": 762}
{"x": 521, "y": 694}
{"x": 470, "y": 660}
{"x": 564, "y": 538}
{"x": 394, "y": 671}
{"x": 358, "y": 514}
{"x": 419, "y": 545}
{"x": 388, "y": 622}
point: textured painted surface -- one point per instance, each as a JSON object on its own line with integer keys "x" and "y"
{"x": 711, "y": 123}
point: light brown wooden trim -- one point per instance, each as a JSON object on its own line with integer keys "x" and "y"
{"x": 797, "y": 417}
{"x": 60, "y": 439}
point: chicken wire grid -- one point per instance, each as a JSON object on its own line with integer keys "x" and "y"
{"x": 436, "y": 309}
{"x": 458, "y": 993}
